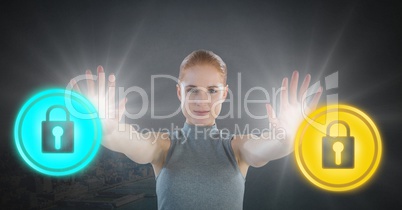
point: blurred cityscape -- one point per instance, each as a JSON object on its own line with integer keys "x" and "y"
{"x": 111, "y": 181}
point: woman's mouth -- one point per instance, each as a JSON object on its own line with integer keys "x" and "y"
{"x": 201, "y": 113}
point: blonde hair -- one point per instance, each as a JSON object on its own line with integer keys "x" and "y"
{"x": 200, "y": 57}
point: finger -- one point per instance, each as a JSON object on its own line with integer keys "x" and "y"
{"x": 122, "y": 107}
{"x": 284, "y": 93}
{"x": 293, "y": 87}
{"x": 111, "y": 96}
{"x": 90, "y": 83}
{"x": 303, "y": 88}
{"x": 101, "y": 92}
{"x": 316, "y": 99}
{"x": 74, "y": 85}
{"x": 271, "y": 112}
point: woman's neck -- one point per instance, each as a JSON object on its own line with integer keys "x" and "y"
{"x": 203, "y": 125}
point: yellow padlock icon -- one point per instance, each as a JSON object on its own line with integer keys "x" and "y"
{"x": 338, "y": 151}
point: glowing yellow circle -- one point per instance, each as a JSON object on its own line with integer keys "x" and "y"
{"x": 367, "y": 147}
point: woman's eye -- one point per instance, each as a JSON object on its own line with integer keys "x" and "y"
{"x": 195, "y": 90}
{"x": 212, "y": 91}
{"x": 192, "y": 90}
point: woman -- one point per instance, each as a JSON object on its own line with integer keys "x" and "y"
{"x": 197, "y": 167}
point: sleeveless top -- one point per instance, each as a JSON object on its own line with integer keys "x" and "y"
{"x": 200, "y": 171}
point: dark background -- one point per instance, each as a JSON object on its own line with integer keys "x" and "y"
{"x": 46, "y": 43}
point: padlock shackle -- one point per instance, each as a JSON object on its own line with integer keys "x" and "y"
{"x": 57, "y": 107}
{"x": 338, "y": 122}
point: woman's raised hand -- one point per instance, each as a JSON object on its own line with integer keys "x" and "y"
{"x": 102, "y": 98}
{"x": 292, "y": 105}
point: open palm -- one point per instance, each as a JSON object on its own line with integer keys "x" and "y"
{"x": 108, "y": 113}
{"x": 292, "y": 106}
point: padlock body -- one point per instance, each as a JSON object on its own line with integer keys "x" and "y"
{"x": 66, "y": 139}
{"x": 347, "y": 155}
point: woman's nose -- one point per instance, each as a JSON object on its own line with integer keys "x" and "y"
{"x": 202, "y": 97}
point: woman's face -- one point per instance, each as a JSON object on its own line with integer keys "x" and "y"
{"x": 201, "y": 92}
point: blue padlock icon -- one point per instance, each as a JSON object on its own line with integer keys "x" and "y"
{"x": 338, "y": 151}
{"x": 57, "y": 136}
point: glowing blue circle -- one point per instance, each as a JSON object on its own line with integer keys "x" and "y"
{"x": 87, "y": 132}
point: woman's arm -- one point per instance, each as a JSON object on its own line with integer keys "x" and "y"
{"x": 121, "y": 137}
{"x": 257, "y": 151}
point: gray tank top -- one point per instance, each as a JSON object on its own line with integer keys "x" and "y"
{"x": 200, "y": 171}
